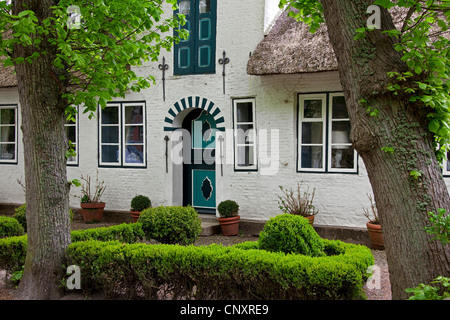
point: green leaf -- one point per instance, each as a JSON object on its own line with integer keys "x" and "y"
{"x": 434, "y": 125}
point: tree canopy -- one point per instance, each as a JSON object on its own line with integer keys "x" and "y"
{"x": 422, "y": 36}
{"x": 97, "y": 53}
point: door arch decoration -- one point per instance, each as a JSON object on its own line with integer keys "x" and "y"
{"x": 193, "y": 102}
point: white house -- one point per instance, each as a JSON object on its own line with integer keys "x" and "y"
{"x": 267, "y": 88}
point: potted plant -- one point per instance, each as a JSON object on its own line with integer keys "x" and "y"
{"x": 298, "y": 203}
{"x": 374, "y": 226}
{"x": 229, "y": 218}
{"x": 91, "y": 205}
{"x": 138, "y": 204}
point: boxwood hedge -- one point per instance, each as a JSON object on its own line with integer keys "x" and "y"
{"x": 13, "y": 249}
{"x": 216, "y": 272}
{"x": 110, "y": 261}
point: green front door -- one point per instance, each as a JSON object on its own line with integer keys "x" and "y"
{"x": 199, "y": 173}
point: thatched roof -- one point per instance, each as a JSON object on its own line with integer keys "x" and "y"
{"x": 291, "y": 48}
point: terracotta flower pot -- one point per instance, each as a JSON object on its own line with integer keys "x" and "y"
{"x": 311, "y": 219}
{"x": 135, "y": 215}
{"x": 92, "y": 212}
{"x": 375, "y": 235}
{"x": 229, "y": 225}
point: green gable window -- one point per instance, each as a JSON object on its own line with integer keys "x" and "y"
{"x": 196, "y": 55}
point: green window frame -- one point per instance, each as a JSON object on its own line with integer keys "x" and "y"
{"x": 197, "y": 54}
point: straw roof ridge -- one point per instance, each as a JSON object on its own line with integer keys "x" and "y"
{"x": 291, "y": 48}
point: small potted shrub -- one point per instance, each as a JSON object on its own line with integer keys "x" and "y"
{"x": 298, "y": 203}
{"x": 138, "y": 204}
{"x": 91, "y": 205}
{"x": 374, "y": 226}
{"x": 229, "y": 218}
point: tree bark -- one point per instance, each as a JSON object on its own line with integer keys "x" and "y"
{"x": 402, "y": 200}
{"x": 45, "y": 145}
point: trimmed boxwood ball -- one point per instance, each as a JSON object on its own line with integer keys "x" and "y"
{"x": 10, "y": 227}
{"x": 291, "y": 234}
{"x": 228, "y": 208}
{"x": 140, "y": 203}
{"x": 171, "y": 224}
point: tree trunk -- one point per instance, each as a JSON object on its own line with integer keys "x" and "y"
{"x": 402, "y": 199}
{"x": 45, "y": 145}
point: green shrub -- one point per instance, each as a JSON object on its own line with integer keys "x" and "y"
{"x": 439, "y": 289}
{"x": 171, "y": 225}
{"x": 228, "y": 208}
{"x": 13, "y": 249}
{"x": 125, "y": 232}
{"x": 21, "y": 216}
{"x": 10, "y": 227}
{"x": 12, "y": 253}
{"x": 217, "y": 272}
{"x": 290, "y": 234}
{"x": 140, "y": 203}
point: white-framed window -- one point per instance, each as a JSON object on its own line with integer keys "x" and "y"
{"x": 244, "y": 134}
{"x": 122, "y": 136}
{"x": 324, "y": 134}
{"x": 312, "y": 132}
{"x": 446, "y": 167}
{"x": 71, "y": 127}
{"x": 342, "y": 156}
{"x": 8, "y": 133}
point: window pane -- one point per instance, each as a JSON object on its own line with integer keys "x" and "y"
{"x": 312, "y": 109}
{"x": 312, "y": 132}
{"x": 134, "y": 134}
{"x": 7, "y": 151}
{"x": 8, "y": 134}
{"x": 110, "y": 134}
{"x": 204, "y": 6}
{"x": 71, "y": 133}
{"x": 245, "y": 134}
{"x": 342, "y": 157}
{"x": 245, "y": 156}
{"x": 339, "y": 108}
{"x": 312, "y": 157}
{"x": 110, "y": 115}
{"x": 134, "y": 154}
{"x": 185, "y": 7}
{"x": 341, "y": 132}
{"x": 110, "y": 154}
{"x": 133, "y": 115}
{"x": 7, "y": 116}
{"x": 244, "y": 112}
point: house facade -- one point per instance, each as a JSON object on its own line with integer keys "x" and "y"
{"x": 249, "y": 103}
